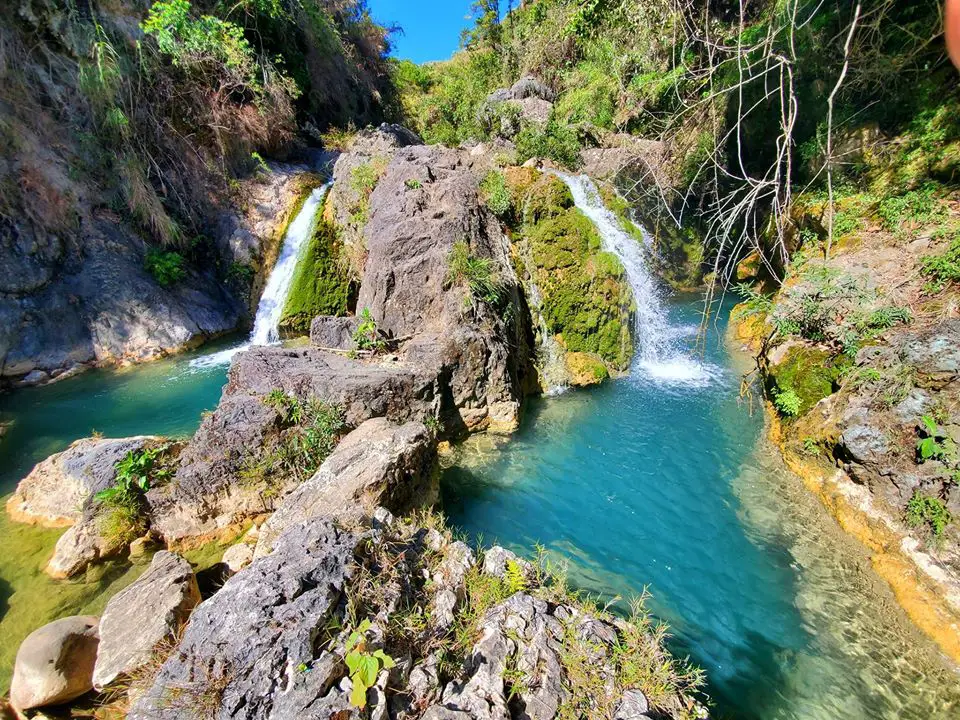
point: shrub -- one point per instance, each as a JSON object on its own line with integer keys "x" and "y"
{"x": 787, "y": 402}
{"x": 122, "y": 507}
{"x": 166, "y": 267}
{"x": 915, "y": 208}
{"x": 943, "y": 269}
{"x": 495, "y": 194}
{"x": 929, "y": 512}
{"x": 554, "y": 141}
{"x": 367, "y": 335}
{"x": 478, "y": 274}
{"x": 364, "y": 665}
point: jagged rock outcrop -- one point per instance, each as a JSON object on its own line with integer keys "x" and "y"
{"x": 57, "y": 489}
{"x": 143, "y": 615}
{"x": 55, "y": 663}
{"x": 207, "y": 494}
{"x": 249, "y": 651}
{"x": 527, "y": 101}
{"x": 378, "y": 464}
{"x": 424, "y": 203}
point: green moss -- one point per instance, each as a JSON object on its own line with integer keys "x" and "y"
{"x": 808, "y": 372}
{"x": 586, "y": 299}
{"x": 319, "y": 286}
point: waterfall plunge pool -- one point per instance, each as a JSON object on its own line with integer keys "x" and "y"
{"x": 659, "y": 480}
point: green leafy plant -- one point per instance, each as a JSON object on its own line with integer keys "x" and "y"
{"x": 926, "y": 511}
{"x": 478, "y": 274}
{"x": 364, "y": 665}
{"x": 754, "y": 303}
{"x": 166, "y": 266}
{"x": 934, "y": 444}
{"x": 810, "y": 447}
{"x": 787, "y": 402}
{"x": 123, "y": 507}
{"x": 413, "y": 184}
{"x": 515, "y": 577}
{"x": 367, "y": 335}
{"x": 942, "y": 269}
{"x": 496, "y": 194}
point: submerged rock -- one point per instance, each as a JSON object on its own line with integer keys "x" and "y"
{"x": 55, "y": 663}
{"x": 378, "y": 464}
{"x": 56, "y": 490}
{"x": 143, "y": 615}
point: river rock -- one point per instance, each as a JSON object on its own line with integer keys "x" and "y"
{"x": 378, "y": 464}
{"x": 249, "y": 651}
{"x": 144, "y": 614}
{"x": 79, "y": 547}
{"x": 206, "y": 494}
{"x": 56, "y": 490}
{"x": 55, "y": 663}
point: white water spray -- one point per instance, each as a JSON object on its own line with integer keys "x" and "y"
{"x": 657, "y": 352}
{"x": 266, "y": 325}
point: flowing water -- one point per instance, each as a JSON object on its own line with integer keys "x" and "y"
{"x": 662, "y": 480}
{"x": 266, "y": 324}
{"x": 659, "y": 479}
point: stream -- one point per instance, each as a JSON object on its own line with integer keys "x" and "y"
{"x": 662, "y": 479}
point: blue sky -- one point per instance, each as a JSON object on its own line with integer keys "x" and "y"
{"x": 431, "y": 29}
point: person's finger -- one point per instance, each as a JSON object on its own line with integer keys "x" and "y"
{"x": 951, "y": 30}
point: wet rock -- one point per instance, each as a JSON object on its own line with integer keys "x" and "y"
{"x": 378, "y": 464}
{"x": 249, "y": 651}
{"x": 79, "y": 547}
{"x": 142, "y": 615}
{"x": 584, "y": 369}
{"x": 56, "y": 490}
{"x": 55, "y": 663}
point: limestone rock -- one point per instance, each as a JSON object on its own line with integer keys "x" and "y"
{"x": 633, "y": 706}
{"x": 55, "y": 663}
{"x": 333, "y": 332}
{"x": 585, "y": 369}
{"x": 55, "y": 491}
{"x": 497, "y": 559}
{"x": 79, "y": 547}
{"x": 378, "y": 464}
{"x": 237, "y": 557}
{"x": 206, "y": 494}
{"x": 143, "y": 615}
{"x": 244, "y": 650}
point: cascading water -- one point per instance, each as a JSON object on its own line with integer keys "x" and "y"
{"x": 658, "y": 354}
{"x": 266, "y": 325}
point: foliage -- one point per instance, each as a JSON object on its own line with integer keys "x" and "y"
{"x": 787, "y": 402}
{"x": 554, "y": 141}
{"x": 122, "y": 514}
{"x": 364, "y": 665}
{"x": 320, "y": 285}
{"x": 496, "y": 194}
{"x": 367, "y": 335}
{"x": 913, "y": 209}
{"x": 934, "y": 444}
{"x": 166, "y": 266}
{"x": 478, "y": 274}
{"x": 754, "y": 302}
{"x": 943, "y": 268}
{"x": 929, "y": 512}
{"x": 308, "y": 432}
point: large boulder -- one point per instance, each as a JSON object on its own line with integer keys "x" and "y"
{"x": 378, "y": 464}
{"x": 207, "y": 494}
{"x": 426, "y": 202}
{"x": 249, "y": 651}
{"x": 55, "y": 663}
{"x": 81, "y": 546}
{"x": 56, "y": 490}
{"x": 143, "y": 615}
{"x": 333, "y": 332}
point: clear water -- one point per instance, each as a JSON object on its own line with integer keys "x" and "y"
{"x": 646, "y": 482}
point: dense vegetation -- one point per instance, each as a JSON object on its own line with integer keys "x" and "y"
{"x": 151, "y": 114}
{"x": 750, "y": 103}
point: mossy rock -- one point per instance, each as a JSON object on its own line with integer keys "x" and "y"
{"x": 548, "y": 197}
{"x": 586, "y": 299}
{"x": 585, "y": 369}
{"x": 319, "y": 286}
{"x": 812, "y": 373}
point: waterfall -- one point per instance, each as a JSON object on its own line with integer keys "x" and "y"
{"x": 658, "y": 354}
{"x": 266, "y": 324}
